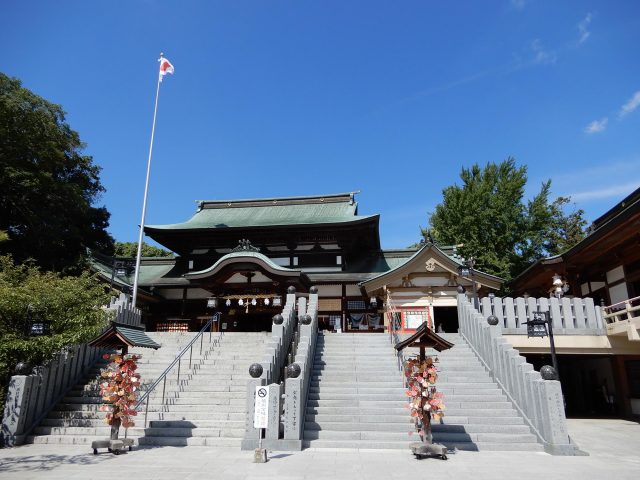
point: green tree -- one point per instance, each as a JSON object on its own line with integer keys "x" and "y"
{"x": 568, "y": 229}
{"x": 130, "y": 249}
{"x": 47, "y": 186}
{"x": 71, "y": 306}
{"x": 488, "y": 215}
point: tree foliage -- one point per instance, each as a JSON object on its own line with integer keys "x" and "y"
{"x": 130, "y": 249}
{"x": 47, "y": 187}
{"x": 487, "y": 214}
{"x": 71, "y": 306}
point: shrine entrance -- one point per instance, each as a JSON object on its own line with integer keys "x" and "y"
{"x": 247, "y": 322}
{"x": 445, "y": 319}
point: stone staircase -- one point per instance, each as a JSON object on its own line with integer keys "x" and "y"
{"x": 357, "y": 399}
{"x": 211, "y": 410}
{"x": 197, "y": 409}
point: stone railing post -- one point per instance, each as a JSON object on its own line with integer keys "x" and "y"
{"x": 16, "y": 409}
{"x": 539, "y": 401}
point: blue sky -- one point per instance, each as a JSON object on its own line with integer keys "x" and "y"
{"x": 280, "y": 98}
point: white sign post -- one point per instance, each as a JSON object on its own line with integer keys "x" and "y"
{"x": 261, "y": 419}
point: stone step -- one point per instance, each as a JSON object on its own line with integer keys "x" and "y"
{"x": 226, "y": 423}
{"x": 450, "y": 404}
{"x": 405, "y": 419}
{"x": 407, "y": 427}
{"x": 101, "y": 431}
{"x": 198, "y": 396}
{"x": 376, "y": 374}
{"x": 358, "y": 389}
{"x": 231, "y": 419}
{"x": 194, "y": 432}
{"x": 335, "y": 376}
{"x": 190, "y": 441}
{"x": 157, "y": 441}
{"x": 400, "y": 396}
{"x": 404, "y": 445}
{"x": 438, "y": 437}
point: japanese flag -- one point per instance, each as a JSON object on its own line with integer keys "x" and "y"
{"x": 165, "y": 67}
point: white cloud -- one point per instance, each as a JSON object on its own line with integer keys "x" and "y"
{"x": 583, "y": 29}
{"x": 518, "y": 4}
{"x": 631, "y": 105}
{"x": 607, "y": 192}
{"x": 596, "y": 126}
{"x": 540, "y": 55}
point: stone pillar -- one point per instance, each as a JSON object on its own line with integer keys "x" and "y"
{"x": 15, "y": 410}
{"x": 293, "y": 412}
{"x": 275, "y": 393}
{"x": 251, "y": 434}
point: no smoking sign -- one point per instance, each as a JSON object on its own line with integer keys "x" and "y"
{"x": 261, "y": 411}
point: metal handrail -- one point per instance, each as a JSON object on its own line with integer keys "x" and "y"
{"x": 163, "y": 377}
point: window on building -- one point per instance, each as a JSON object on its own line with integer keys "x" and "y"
{"x": 356, "y": 305}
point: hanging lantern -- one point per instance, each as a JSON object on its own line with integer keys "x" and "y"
{"x": 228, "y": 303}
{"x": 277, "y": 301}
{"x": 240, "y": 302}
{"x": 254, "y": 302}
{"x": 212, "y": 302}
{"x": 266, "y": 302}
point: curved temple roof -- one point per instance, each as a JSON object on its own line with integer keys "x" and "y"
{"x": 416, "y": 263}
{"x": 244, "y": 256}
{"x": 268, "y": 212}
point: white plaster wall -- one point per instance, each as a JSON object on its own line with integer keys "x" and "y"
{"x": 618, "y": 293}
{"x": 615, "y": 274}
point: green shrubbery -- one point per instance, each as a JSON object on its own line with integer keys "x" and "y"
{"x": 72, "y": 306}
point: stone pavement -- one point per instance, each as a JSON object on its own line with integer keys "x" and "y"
{"x": 614, "y": 447}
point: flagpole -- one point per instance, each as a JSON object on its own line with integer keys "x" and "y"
{"x": 146, "y": 191}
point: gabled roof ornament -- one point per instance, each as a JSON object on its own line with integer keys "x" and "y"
{"x": 244, "y": 245}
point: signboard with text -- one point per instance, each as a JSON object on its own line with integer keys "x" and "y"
{"x": 261, "y": 410}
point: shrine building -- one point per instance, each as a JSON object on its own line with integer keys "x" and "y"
{"x": 239, "y": 257}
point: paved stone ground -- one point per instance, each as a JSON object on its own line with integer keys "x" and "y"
{"x": 614, "y": 447}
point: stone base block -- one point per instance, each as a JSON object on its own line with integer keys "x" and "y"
{"x": 113, "y": 446}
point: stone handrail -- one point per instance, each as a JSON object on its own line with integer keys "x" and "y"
{"x": 570, "y": 316}
{"x": 296, "y": 389}
{"x": 539, "y": 401}
{"x": 275, "y": 353}
{"x": 123, "y": 311}
{"x": 30, "y": 397}
{"x": 273, "y": 362}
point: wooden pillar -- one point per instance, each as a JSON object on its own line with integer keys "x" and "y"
{"x": 344, "y": 307}
{"x": 623, "y": 395}
{"x": 183, "y": 306}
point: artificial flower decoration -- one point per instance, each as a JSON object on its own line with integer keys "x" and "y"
{"x": 425, "y": 402}
{"x": 118, "y": 388}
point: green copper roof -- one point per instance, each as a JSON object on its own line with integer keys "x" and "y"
{"x": 153, "y": 271}
{"x": 267, "y": 212}
{"x": 118, "y": 335}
